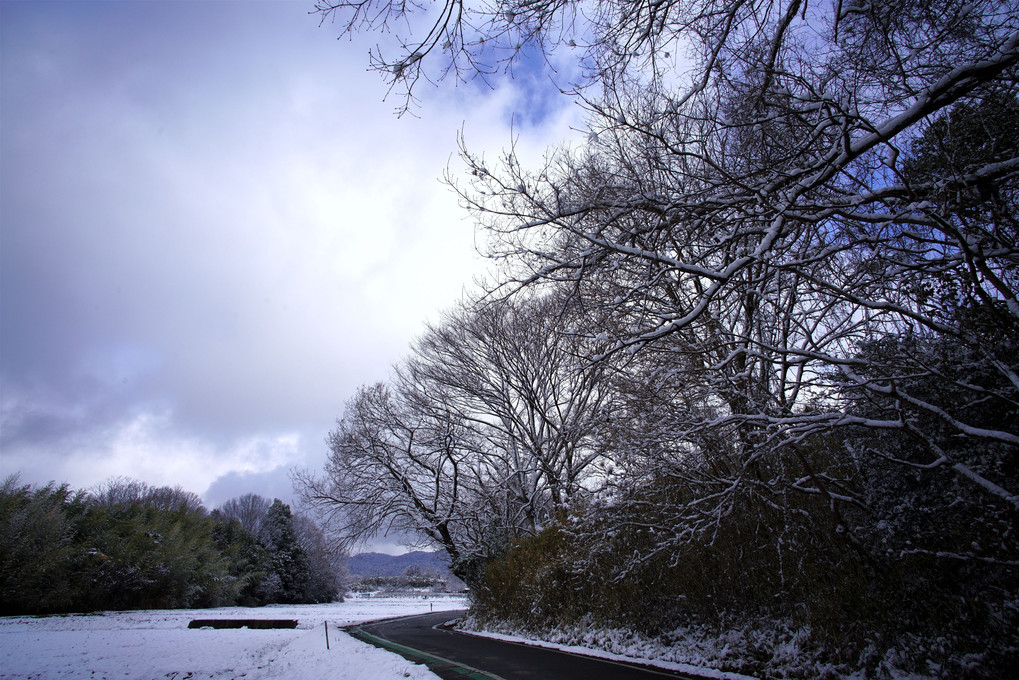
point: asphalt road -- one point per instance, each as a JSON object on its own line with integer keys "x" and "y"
{"x": 456, "y": 656}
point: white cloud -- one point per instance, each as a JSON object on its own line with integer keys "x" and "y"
{"x": 214, "y": 230}
{"x": 149, "y": 447}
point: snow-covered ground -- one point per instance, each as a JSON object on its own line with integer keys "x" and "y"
{"x": 157, "y": 644}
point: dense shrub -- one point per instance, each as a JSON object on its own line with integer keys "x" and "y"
{"x": 129, "y": 546}
{"x": 804, "y": 561}
{"x": 37, "y": 547}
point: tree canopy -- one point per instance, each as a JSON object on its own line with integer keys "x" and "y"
{"x": 126, "y": 545}
{"x": 783, "y": 271}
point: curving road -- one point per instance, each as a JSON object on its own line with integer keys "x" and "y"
{"x": 456, "y": 656}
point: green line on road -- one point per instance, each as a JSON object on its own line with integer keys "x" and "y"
{"x": 467, "y": 671}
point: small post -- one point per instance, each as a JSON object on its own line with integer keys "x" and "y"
{"x": 326, "y": 624}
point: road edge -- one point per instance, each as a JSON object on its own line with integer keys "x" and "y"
{"x": 357, "y": 632}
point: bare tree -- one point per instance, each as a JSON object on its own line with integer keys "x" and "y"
{"x": 793, "y": 234}
{"x": 766, "y": 211}
{"x": 249, "y": 510}
{"x": 517, "y": 371}
{"x": 769, "y": 214}
{"x": 126, "y": 491}
{"x": 119, "y": 491}
{"x": 490, "y": 427}
{"x": 453, "y": 39}
{"x": 328, "y": 566}
{"x": 394, "y": 469}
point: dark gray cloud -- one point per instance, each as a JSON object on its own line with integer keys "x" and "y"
{"x": 213, "y": 230}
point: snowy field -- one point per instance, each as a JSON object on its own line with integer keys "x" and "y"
{"x": 157, "y": 644}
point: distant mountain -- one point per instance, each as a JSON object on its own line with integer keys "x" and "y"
{"x": 379, "y": 564}
{"x": 369, "y": 565}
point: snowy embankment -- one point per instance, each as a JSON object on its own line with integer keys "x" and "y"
{"x": 157, "y": 644}
{"x": 771, "y": 649}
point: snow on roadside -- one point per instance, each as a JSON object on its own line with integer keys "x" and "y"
{"x": 157, "y": 644}
{"x": 771, "y": 648}
{"x": 630, "y": 655}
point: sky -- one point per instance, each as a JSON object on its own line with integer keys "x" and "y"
{"x": 213, "y": 229}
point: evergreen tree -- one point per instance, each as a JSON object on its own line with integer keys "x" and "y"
{"x": 289, "y": 563}
{"x": 248, "y": 560}
{"x": 125, "y": 545}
